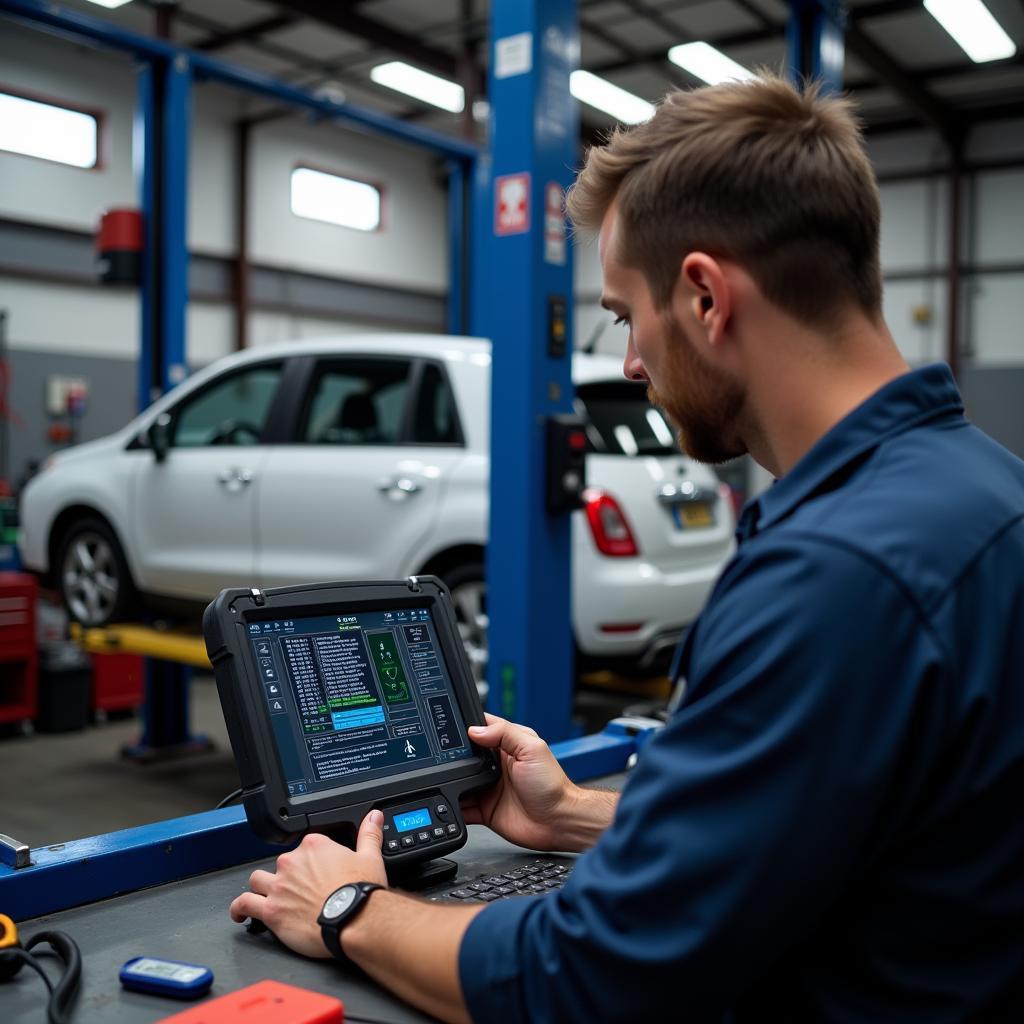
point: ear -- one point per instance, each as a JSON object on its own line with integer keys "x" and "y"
{"x": 708, "y": 294}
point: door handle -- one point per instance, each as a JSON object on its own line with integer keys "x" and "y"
{"x": 234, "y": 480}
{"x": 398, "y": 487}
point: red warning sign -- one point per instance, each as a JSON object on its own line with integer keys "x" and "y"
{"x": 512, "y": 204}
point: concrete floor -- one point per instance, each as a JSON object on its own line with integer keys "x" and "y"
{"x": 66, "y": 786}
{"x": 54, "y": 788}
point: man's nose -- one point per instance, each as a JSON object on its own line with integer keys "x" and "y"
{"x": 633, "y": 366}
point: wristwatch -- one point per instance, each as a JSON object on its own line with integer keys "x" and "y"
{"x": 339, "y": 908}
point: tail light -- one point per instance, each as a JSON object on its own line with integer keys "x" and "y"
{"x": 612, "y": 534}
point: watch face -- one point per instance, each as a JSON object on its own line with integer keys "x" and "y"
{"x": 338, "y": 902}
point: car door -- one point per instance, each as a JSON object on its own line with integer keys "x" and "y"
{"x": 358, "y": 491}
{"x": 194, "y": 511}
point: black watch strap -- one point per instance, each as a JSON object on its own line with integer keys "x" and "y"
{"x": 331, "y": 932}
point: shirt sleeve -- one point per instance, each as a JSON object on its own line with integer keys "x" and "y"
{"x": 746, "y": 815}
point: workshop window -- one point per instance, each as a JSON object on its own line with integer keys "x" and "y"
{"x": 358, "y": 403}
{"x": 50, "y": 132}
{"x": 231, "y": 411}
{"x": 336, "y": 200}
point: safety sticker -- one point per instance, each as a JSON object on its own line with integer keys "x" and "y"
{"x": 512, "y": 204}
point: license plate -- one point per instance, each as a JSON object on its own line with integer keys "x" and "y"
{"x": 695, "y": 516}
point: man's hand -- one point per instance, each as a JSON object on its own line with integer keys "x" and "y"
{"x": 534, "y": 804}
{"x": 289, "y": 900}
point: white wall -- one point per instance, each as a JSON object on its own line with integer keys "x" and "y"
{"x": 410, "y": 251}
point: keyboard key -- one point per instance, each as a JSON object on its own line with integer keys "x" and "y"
{"x": 504, "y": 890}
{"x": 478, "y": 886}
{"x": 488, "y": 897}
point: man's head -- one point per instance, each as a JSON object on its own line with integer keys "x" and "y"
{"x": 733, "y": 192}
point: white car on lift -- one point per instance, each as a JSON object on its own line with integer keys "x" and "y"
{"x": 367, "y": 457}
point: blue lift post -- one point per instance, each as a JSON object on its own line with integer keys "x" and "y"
{"x": 161, "y": 138}
{"x": 523, "y": 285}
{"x": 814, "y": 42}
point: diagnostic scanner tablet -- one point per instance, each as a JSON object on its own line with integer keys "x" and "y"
{"x": 343, "y": 697}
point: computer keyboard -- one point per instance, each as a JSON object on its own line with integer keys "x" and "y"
{"x": 529, "y": 879}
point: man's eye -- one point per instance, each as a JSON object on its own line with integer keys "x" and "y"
{"x": 620, "y": 320}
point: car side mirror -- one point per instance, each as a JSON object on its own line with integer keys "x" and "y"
{"x": 159, "y": 434}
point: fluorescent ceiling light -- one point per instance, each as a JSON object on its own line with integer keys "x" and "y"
{"x": 110, "y": 4}
{"x": 602, "y": 95}
{"x": 48, "y": 132}
{"x": 971, "y": 24}
{"x": 337, "y": 200}
{"x": 708, "y": 64}
{"x": 421, "y": 85}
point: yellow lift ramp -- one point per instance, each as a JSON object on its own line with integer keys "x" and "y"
{"x": 171, "y": 654}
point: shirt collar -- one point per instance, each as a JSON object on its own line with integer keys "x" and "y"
{"x": 910, "y": 399}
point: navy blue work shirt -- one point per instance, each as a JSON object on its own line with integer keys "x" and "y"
{"x": 831, "y": 826}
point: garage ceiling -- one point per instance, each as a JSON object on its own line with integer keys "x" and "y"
{"x": 901, "y": 66}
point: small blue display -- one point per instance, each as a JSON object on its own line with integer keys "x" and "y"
{"x": 409, "y": 820}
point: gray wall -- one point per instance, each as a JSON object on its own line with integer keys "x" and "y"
{"x": 112, "y": 389}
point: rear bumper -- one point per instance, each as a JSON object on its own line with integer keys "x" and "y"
{"x": 630, "y": 610}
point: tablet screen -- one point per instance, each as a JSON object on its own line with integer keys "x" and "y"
{"x": 357, "y": 697}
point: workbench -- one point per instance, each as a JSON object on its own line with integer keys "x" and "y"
{"x": 189, "y": 921}
{"x": 163, "y": 890}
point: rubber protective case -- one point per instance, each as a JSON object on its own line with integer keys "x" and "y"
{"x": 273, "y": 813}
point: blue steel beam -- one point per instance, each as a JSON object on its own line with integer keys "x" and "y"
{"x": 523, "y": 264}
{"x": 86, "y": 870}
{"x": 814, "y": 42}
{"x": 76, "y": 26}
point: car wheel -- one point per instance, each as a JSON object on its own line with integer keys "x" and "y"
{"x": 95, "y": 585}
{"x": 469, "y": 595}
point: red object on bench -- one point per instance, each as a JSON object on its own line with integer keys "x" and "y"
{"x": 266, "y": 1002}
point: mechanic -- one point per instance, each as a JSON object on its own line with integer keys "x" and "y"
{"x": 830, "y": 826}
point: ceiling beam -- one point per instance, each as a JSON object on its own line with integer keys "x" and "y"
{"x": 245, "y": 33}
{"x": 658, "y": 56}
{"x": 352, "y": 23}
{"x": 632, "y": 56}
{"x": 931, "y": 109}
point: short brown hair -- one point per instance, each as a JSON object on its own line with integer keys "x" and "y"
{"x": 757, "y": 172}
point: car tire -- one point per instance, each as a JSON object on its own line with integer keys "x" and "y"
{"x": 92, "y": 574}
{"x": 469, "y": 595}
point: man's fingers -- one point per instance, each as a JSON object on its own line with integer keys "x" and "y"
{"x": 511, "y": 739}
{"x": 249, "y": 904}
{"x": 371, "y": 833}
{"x": 260, "y": 881}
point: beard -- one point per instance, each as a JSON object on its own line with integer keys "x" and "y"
{"x": 704, "y": 404}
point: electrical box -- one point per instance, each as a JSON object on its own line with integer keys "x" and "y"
{"x": 566, "y": 463}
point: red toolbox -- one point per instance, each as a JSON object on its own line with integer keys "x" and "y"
{"x": 19, "y": 664}
{"x": 117, "y": 681}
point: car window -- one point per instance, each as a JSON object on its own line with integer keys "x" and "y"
{"x": 622, "y": 422}
{"x": 231, "y": 411}
{"x": 357, "y": 402}
{"x": 435, "y": 420}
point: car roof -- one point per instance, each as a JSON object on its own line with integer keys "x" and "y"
{"x": 586, "y": 367}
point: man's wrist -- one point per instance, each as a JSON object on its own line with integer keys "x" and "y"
{"x": 362, "y": 926}
{"x": 583, "y": 815}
